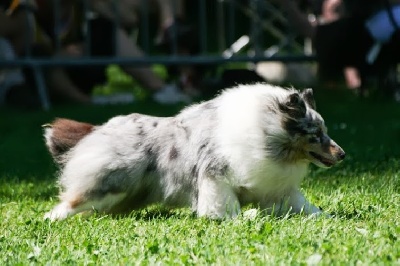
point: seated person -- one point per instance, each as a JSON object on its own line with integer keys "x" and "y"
{"x": 343, "y": 43}
{"x": 174, "y": 34}
{"x": 102, "y": 38}
{"x": 14, "y": 41}
{"x": 21, "y": 39}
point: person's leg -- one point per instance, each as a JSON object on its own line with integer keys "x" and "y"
{"x": 297, "y": 18}
{"x": 340, "y": 49}
{"x": 143, "y": 74}
{"x": 169, "y": 10}
{"x": 162, "y": 93}
{"x": 60, "y": 85}
{"x": 103, "y": 33}
{"x": 352, "y": 77}
{"x": 15, "y": 28}
{"x": 62, "y": 88}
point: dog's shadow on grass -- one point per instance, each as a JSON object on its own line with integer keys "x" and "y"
{"x": 348, "y": 215}
{"x": 164, "y": 213}
{"x": 154, "y": 213}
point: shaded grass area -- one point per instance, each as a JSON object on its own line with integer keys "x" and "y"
{"x": 362, "y": 193}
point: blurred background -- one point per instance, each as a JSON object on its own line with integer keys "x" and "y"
{"x": 90, "y": 60}
{"x": 177, "y": 51}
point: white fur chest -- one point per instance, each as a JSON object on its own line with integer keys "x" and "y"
{"x": 270, "y": 180}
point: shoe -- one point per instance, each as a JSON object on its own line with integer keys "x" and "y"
{"x": 171, "y": 94}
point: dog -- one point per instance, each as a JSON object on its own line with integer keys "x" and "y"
{"x": 252, "y": 144}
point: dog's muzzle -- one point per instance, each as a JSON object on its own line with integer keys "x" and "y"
{"x": 328, "y": 156}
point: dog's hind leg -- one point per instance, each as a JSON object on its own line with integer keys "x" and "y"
{"x": 217, "y": 199}
{"x": 70, "y": 207}
{"x": 60, "y": 212}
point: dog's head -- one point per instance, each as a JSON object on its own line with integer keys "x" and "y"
{"x": 307, "y": 132}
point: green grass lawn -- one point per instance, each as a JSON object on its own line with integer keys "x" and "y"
{"x": 362, "y": 193}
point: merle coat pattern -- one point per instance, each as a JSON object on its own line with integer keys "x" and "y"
{"x": 251, "y": 144}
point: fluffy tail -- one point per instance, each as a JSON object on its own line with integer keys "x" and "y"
{"x": 64, "y": 134}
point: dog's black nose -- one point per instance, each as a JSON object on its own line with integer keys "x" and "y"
{"x": 342, "y": 155}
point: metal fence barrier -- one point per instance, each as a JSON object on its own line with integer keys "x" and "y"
{"x": 268, "y": 32}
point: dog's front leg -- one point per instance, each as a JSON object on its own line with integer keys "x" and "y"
{"x": 293, "y": 202}
{"x": 299, "y": 204}
{"x": 216, "y": 199}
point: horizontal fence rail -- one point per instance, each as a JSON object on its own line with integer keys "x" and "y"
{"x": 146, "y": 60}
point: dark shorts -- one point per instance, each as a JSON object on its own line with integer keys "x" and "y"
{"x": 342, "y": 43}
{"x": 389, "y": 54}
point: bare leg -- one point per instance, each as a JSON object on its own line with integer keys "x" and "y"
{"x": 297, "y": 18}
{"x": 353, "y": 80}
{"x": 169, "y": 9}
{"x": 143, "y": 74}
{"x": 126, "y": 10}
{"x": 59, "y": 82}
{"x": 163, "y": 93}
{"x": 62, "y": 86}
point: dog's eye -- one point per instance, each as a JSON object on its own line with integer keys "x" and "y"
{"x": 320, "y": 136}
{"x": 314, "y": 139}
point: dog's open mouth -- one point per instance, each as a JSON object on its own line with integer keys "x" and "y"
{"x": 323, "y": 160}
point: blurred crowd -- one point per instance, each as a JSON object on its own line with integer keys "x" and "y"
{"x": 73, "y": 28}
{"x": 356, "y": 39}
{"x": 353, "y": 39}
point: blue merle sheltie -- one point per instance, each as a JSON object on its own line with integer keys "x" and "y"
{"x": 252, "y": 144}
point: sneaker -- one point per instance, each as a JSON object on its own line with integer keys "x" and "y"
{"x": 171, "y": 94}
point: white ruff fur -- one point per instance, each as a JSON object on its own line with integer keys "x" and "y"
{"x": 265, "y": 180}
{"x": 212, "y": 157}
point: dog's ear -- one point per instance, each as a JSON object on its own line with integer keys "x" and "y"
{"x": 308, "y": 97}
{"x": 293, "y": 105}
{"x": 293, "y": 99}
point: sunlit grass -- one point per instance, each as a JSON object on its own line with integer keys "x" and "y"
{"x": 362, "y": 194}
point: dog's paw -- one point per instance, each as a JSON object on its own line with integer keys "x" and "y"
{"x": 251, "y": 214}
{"x": 60, "y": 212}
{"x": 319, "y": 214}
